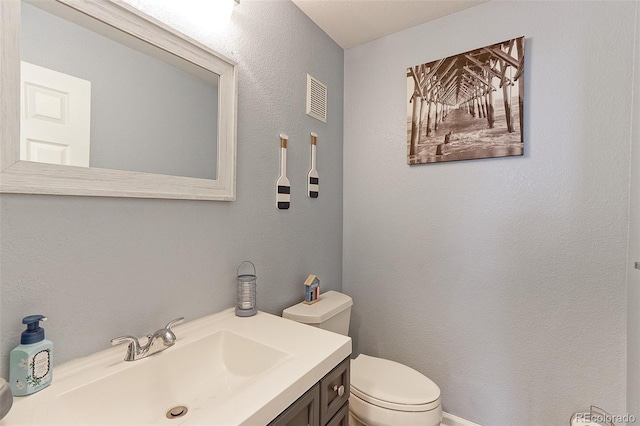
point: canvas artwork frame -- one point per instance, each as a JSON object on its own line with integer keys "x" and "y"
{"x": 467, "y": 106}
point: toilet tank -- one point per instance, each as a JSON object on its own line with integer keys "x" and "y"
{"x": 332, "y": 312}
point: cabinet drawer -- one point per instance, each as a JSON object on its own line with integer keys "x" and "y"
{"x": 334, "y": 391}
{"x": 303, "y": 412}
{"x": 341, "y": 418}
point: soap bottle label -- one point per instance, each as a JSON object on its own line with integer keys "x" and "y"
{"x": 40, "y": 366}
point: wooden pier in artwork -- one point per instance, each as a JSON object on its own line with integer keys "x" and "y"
{"x": 465, "y": 82}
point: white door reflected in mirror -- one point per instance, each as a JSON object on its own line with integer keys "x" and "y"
{"x": 55, "y": 119}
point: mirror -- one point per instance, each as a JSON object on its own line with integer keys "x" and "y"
{"x": 158, "y": 120}
{"x": 90, "y": 101}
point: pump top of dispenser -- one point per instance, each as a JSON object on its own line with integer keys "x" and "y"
{"x": 34, "y": 333}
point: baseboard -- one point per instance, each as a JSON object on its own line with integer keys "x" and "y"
{"x": 451, "y": 420}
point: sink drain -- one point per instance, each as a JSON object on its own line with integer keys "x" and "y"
{"x": 177, "y": 412}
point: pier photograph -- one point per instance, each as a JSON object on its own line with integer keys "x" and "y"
{"x": 467, "y": 106}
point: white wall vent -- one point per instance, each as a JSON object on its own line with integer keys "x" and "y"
{"x": 316, "y": 99}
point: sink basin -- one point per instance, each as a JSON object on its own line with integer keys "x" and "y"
{"x": 225, "y": 363}
{"x": 223, "y": 370}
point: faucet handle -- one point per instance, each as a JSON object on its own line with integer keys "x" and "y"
{"x": 132, "y": 349}
{"x": 174, "y": 322}
{"x": 125, "y": 339}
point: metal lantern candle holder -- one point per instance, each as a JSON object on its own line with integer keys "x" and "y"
{"x": 246, "y": 298}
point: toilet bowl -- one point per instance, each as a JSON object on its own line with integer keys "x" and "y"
{"x": 383, "y": 392}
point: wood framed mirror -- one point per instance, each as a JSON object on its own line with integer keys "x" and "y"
{"x": 52, "y": 173}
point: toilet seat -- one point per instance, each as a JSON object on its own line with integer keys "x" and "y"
{"x": 392, "y": 385}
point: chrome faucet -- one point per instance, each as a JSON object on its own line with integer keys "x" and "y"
{"x": 156, "y": 342}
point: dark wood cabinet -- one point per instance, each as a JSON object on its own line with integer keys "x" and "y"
{"x": 341, "y": 418}
{"x": 334, "y": 391}
{"x": 325, "y": 404}
{"x": 304, "y": 412}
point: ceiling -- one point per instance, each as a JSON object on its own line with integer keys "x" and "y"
{"x": 353, "y": 22}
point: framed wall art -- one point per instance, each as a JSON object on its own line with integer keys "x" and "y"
{"x": 467, "y": 106}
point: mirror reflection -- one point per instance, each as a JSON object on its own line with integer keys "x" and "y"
{"x": 91, "y": 101}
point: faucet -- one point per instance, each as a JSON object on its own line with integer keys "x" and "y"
{"x": 156, "y": 342}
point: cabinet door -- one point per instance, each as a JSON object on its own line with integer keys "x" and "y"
{"x": 334, "y": 391}
{"x": 304, "y": 412}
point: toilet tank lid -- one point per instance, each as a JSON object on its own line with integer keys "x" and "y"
{"x": 330, "y": 304}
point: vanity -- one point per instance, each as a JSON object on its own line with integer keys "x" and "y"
{"x": 222, "y": 370}
{"x": 325, "y": 404}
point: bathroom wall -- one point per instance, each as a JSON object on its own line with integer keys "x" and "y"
{"x": 633, "y": 289}
{"x": 503, "y": 280}
{"x": 103, "y": 267}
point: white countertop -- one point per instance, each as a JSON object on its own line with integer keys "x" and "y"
{"x": 310, "y": 354}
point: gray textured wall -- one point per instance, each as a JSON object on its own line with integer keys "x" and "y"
{"x": 139, "y": 118}
{"x": 103, "y": 267}
{"x": 633, "y": 289}
{"x": 504, "y": 280}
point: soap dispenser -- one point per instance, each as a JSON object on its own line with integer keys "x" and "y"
{"x": 31, "y": 362}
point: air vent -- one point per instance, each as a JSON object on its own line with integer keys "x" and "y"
{"x": 316, "y": 99}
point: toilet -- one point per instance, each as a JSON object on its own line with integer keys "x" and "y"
{"x": 383, "y": 392}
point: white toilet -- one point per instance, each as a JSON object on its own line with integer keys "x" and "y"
{"x": 383, "y": 392}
